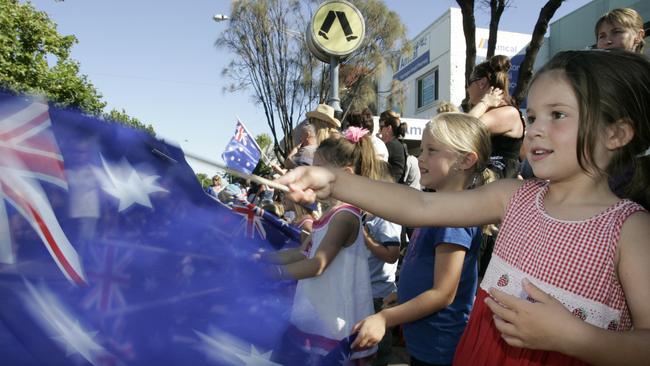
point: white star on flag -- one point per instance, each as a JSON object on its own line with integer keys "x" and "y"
{"x": 65, "y": 329}
{"x": 223, "y": 347}
{"x": 123, "y": 182}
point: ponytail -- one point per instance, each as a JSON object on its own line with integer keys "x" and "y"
{"x": 353, "y": 149}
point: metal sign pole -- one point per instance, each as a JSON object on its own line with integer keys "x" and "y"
{"x": 334, "y": 101}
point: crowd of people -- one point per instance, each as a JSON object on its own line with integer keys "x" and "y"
{"x": 559, "y": 197}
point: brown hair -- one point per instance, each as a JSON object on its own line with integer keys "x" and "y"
{"x": 496, "y": 71}
{"x": 627, "y": 18}
{"x": 339, "y": 152}
{"x": 362, "y": 119}
{"x": 391, "y": 119}
{"x": 610, "y": 86}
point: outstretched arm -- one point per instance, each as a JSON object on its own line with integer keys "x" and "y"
{"x": 401, "y": 204}
{"x": 447, "y": 269}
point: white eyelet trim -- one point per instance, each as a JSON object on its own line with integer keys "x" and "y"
{"x": 507, "y": 278}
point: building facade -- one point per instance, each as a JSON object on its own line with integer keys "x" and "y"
{"x": 434, "y": 70}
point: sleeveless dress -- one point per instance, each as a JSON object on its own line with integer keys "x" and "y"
{"x": 574, "y": 261}
{"x": 326, "y": 307}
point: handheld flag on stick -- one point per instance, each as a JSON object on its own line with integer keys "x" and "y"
{"x": 112, "y": 254}
{"x": 242, "y": 152}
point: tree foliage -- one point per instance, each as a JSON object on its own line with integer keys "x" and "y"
{"x": 28, "y": 40}
{"x": 263, "y": 141}
{"x": 272, "y": 60}
{"x": 122, "y": 117}
{"x": 35, "y": 59}
{"x": 204, "y": 180}
{"x": 385, "y": 34}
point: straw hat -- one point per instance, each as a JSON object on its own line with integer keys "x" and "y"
{"x": 325, "y": 113}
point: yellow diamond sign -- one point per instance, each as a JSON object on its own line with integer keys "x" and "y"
{"x": 337, "y": 28}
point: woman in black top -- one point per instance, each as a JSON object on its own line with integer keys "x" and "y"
{"x": 492, "y": 104}
{"x": 390, "y": 131}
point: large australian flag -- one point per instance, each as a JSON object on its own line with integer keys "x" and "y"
{"x": 242, "y": 152}
{"x": 112, "y": 254}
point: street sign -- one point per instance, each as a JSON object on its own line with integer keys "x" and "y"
{"x": 336, "y": 29}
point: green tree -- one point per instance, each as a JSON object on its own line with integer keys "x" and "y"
{"x": 122, "y": 117}
{"x": 263, "y": 141}
{"x": 385, "y": 34}
{"x": 28, "y": 40}
{"x": 204, "y": 180}
{"x": 35, "y": 59}
{"x": 272, "y": 60}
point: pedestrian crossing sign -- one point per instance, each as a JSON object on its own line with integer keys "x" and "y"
{"x": 337, "y": 28}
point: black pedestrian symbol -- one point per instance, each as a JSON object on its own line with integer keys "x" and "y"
{"x": 343, "y": 20}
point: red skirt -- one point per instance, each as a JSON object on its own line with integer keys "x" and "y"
{"x": 481, "y": 344}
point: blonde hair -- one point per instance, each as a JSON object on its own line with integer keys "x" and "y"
{"x": 323, "y": 130}
{"x": 627, "y": 18}
{"x": 446, "y": 107}
{"x": 464, "y": 134}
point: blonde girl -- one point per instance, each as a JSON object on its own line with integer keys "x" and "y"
{"x": 439, "y": 273}
{"x": 569, "y": 281}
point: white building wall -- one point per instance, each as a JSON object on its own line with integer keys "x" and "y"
{"x": 444, "y": 42}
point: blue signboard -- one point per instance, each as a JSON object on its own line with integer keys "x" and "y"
{"x": 412, "y": 67}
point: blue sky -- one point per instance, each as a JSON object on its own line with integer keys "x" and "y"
{"x": 157, "y": 60}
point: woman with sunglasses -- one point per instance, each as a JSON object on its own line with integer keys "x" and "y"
{"x": 391, "y": 130}
{"x": 492, "y": 104}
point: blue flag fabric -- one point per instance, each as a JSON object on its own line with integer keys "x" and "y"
{"x": 241, "y": 153}
{"x": 112, "y": 254}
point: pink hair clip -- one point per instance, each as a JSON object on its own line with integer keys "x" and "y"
{"x": 354, "y": 134}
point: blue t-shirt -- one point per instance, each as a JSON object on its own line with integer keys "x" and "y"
{"x": 433, "y": 339}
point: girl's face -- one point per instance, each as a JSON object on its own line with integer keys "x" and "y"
{"x": 614, "y": 35}
{"x": 552, "y": 132}
{"x": 438, "y": 164}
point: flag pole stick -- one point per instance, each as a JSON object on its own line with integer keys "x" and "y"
{"x": 252, "y": 177}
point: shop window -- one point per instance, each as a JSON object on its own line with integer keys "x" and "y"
{"x": 427, "y": 89}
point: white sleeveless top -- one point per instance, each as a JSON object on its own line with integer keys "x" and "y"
{"x": 331, "y": 304}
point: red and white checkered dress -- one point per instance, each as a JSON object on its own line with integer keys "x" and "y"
{"x": 574, "y": 261}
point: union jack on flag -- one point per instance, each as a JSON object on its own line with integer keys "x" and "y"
{"x": 252, "y": 219}
{"x": 28, "y": 154}
{"x": 240, "y": 134}
{"x": 242, "y": 153}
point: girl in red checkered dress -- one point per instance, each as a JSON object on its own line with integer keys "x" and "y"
{"x": 569, "y": 282}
